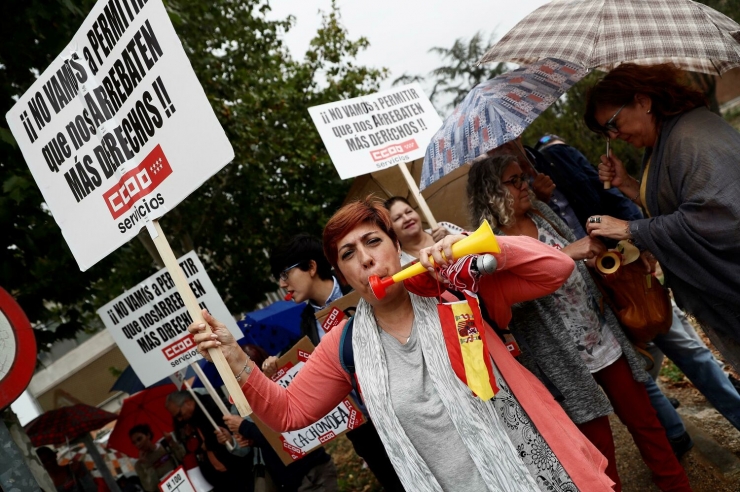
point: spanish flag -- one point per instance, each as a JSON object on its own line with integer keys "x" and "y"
{"x": 462, "y": 327}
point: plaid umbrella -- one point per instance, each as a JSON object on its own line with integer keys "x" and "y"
{"x": 496, "y": 112}
{"x": 67, "y": 423}
{"x": 145, "y": 407}
{"x": 604, "y": 33}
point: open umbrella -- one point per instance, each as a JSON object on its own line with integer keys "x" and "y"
{"x": 603, "y": 33}
{"x": 67, "y": 424}
{"x": 496, "y": 112}
{"x": 145, "y": 407}
{"x": 275, "y": 327}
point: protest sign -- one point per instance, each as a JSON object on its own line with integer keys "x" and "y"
{"x": 149, "y": 321}
{"x": 294, "y": 445}
{"x": 117, "y": 130}
{"x": 341, "y": 309}
{"x": 176, "y": 481}
{"x": 373, "y": 132}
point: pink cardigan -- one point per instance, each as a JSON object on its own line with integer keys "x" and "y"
{"x": 527, "y": 269}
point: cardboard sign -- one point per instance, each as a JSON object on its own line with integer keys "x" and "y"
{"x": 117, "y": 130}
{"x": 294, "y": 445}
{"x": 149, "y": 322}
{"x": 341, "y": 309}
{"x": 176, "y": 481}
{"x": 373, "y": 132}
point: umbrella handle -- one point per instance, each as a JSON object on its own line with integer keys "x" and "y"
{"x": 607, "y": 184}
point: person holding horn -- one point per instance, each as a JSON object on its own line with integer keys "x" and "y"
{"x": 690, "y": 181}
{"x": 438, "y": 433}
{"x": 566, "y": 338}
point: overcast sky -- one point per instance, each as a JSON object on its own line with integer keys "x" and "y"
{"x": 400, "y": 34}
{"x": 402, "y": 31}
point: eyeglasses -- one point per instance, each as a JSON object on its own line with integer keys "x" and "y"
{"x": 610, "y": 126}
{"x": 284, "y": 274}
{"x": 518, "y": 180}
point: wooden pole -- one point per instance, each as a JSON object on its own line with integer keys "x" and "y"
{"x": 209, "y": 387}
{"x": 178, "y": 276}
{"x": 425, "y": 210}
{"x": 205, "y": 411}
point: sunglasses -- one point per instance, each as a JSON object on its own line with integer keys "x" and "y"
{"x": 518, "y": 180}
{"x": 284, "y": 274}
{"x": 610, "y": 126}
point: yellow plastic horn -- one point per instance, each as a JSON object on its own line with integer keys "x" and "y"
{"x": 481, "y": 241}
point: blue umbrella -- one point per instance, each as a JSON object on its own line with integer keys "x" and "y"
{"x": 274, "y": 328}
{"x": 129, "y": 382}
{"x": 496, "y": 112}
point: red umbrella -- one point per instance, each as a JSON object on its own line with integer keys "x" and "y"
{"x": 67, "y": 423}
{"x": 145, "y": 407}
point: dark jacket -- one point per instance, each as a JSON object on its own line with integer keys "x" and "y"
{"x": 578, "y": 180}
{"x": 286, "y": 478}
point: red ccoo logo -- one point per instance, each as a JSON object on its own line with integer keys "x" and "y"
{"x": 182, "y": 345}
{"x": 394, "y": 149}
{"x": 138, "y": 182}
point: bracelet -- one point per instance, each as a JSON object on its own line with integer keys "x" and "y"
{"x": 635, "y": 198}
{"x": 246, "y": 369}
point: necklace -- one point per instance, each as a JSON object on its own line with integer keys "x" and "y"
{"x": 396, "y": 334}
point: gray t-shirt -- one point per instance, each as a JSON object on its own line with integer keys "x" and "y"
{"x": 424, "y": 418}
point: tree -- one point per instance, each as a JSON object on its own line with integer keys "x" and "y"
{"x": 280, "y": 183}
{"x": 453, "y": 81}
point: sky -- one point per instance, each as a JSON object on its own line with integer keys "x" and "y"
{"x": 402, "y": 31}
{"x": 400, "y": 34}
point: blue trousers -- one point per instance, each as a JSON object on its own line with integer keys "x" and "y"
{"x": 685, "y": 349}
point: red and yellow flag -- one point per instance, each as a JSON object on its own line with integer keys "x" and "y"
{"x": 462, "y": 327}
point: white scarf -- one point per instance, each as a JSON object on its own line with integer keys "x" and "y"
{"x": 476, "y": 421}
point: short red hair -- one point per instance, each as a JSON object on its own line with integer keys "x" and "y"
{"x": 370, "y": 210}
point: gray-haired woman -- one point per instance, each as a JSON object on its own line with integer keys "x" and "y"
{"x": 565, "y": 337}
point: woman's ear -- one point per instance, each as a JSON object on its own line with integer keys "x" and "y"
{"x": 312, "y": 268}
{"x": 644, "y": 102}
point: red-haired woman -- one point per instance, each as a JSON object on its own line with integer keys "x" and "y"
{"x": 690, "y": 187}
{"x": 438, "y": 435}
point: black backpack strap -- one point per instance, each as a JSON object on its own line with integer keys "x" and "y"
{"x": 347, "y": 355}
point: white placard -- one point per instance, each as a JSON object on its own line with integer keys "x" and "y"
{"x": 373, "y": 132}
{"x": 118, "y": 129}
{"x": 149, "y": 322}
{"x": 177, "y": 481}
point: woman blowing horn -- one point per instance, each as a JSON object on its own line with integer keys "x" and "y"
{"x": 438, "y": 435}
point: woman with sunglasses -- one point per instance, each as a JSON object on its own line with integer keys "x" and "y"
{"x": 565, "y": 338}
{"x": 689, "y": 189}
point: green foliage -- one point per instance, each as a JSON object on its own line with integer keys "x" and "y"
{"x": 280, "y": 183}
{"x": 453, "y": 81}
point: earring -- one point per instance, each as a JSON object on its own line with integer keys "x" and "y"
{"x": 649, "y": 111}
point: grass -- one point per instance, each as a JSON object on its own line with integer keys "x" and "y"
{"x": 352, "y": 476}
{"x": 671, "y": 373}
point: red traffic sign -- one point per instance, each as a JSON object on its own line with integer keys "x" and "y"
{"x": 17, "y": 350}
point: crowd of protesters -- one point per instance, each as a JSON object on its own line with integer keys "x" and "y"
{"x": 547, "y": 426}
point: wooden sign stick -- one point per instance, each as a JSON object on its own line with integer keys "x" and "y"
{"x": 181, "y": 283}
{"x": 425, "y": 210}
{"x": 209, "y": 387}
{"x": 228, "y": 445}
